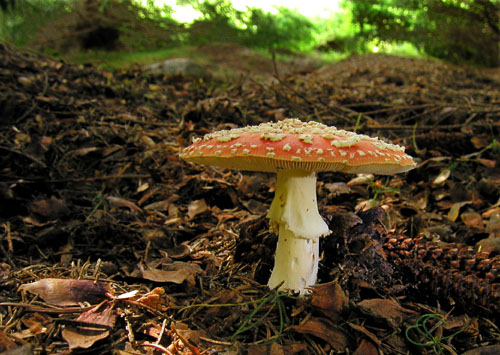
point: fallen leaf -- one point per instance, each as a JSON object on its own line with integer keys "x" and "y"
{"x": 361, "y": 179}
{"x": 193, "y": 336}
{"x": 323, "y": 329}
{"x": 99, "y": 319}
{"x": 386, "y": 309}
{"x": 480, "y": 141}
{"x": 438, "y": 231}
{"x": 489, "y": 163}
{"x": 488, "y": 245}
{"x": 472, "y": 219}
{"x": 366, "y": 347}
{"x": 84, "y": 151}
{"x": 366, "y": 333}
{"x": 442, "y": 176}
{"x": 67, "y": 292}
{"x": 196, "y": 207}
{"x": 490, "y": 212}
{"x": 148, "y": 142}
{"x": 295, "y": 348}
{"x": 177, "y": 272}
{"x": 26, "y": 349}
{"x": 179, "y": 251}
{"x": 5, "y": 270}
{"x": 223, "y": 297}
{"x": 274, "y": 348}
{"x": 330, "y": 299}
{"x": 143, "y": 187}
{"x": 493, "y": 226}
{"x": 337, "y": 188}
{"x": 455, "y": 210}
{"x": 6, "y": 343}
{"x": 153, "y": 299}
{"x": 50, "y": 208}
{"x": 484, "y": 350}
{"x": 117, "y": 202}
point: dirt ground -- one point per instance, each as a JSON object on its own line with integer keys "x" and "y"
{"x": 112, "y": 244}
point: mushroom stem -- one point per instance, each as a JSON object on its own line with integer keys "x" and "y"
{"x": 295, "y": 218}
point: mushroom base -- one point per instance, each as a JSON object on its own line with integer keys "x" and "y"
{"x": 296, "y": 262}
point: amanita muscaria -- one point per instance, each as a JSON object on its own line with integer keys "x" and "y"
{"x": 297, "y": 151}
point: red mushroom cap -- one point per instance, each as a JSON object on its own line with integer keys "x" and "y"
{"x": 296, "y": 145}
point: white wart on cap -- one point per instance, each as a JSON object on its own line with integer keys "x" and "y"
{"x": 296, "y": 151}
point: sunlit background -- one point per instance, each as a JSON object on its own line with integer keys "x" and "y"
{"x": 454, "y": 30}
{"x": 311, "y": 8}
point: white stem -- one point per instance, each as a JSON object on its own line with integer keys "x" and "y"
{"x": 294, "y": 216}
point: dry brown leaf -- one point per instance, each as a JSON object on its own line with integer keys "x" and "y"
{"x": 480, "y": 141}
{"x": 148, "y": 142}
{"x": 386, "y": 309}
{"x": 50, "y": 208}
{"x": 472, "y": 219}
{"x": 117, "y": 202}
{"x": 274, "y": 348}
{"x": 490, "y": 212}
{"x": 489, "y": 163}
{"x": 5, "y": 270}
{"x": 442, "y": 176}
{"x": 361, "y": 179}
{"x": 493, "y": 226}
{"x": 36, "y": 325}
{"x": 154, "y": 299}
{"x": 143, "y": 187}
{"x": 488, "y": 245}
{"x": 366, "y": 332}
{"x": 6, "y": 343}
{"x": 84, "y": 151}
{"x": 179, "y": 251}
{"x": 67, "y": 292}
{"x": 196, "y": 207}
{"x": 323, "y": 329}
{"x": 484, "y": 350}
{"x": 455, "y": 210}
{"x": 100, "y": 320}
{"x": 177, "y": 272}
{"x": 337, "y": 188}
{"x": 223, "y": 297}
{"x": 295, "y": 348}
{"x": 366, "y": 347}
{"x": 330, "y": 299}
{"x": 193, "y": 336}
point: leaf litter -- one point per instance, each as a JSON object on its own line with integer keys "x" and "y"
{"x": 111, "y": 243}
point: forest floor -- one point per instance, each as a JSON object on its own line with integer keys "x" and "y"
{"x": 112, "y": 244}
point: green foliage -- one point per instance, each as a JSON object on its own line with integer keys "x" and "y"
{"x": 221, "y": 22}
{"x": 287, "y": 29}
{"x": 19, "y": 24}
{"x": 145, "y": 27}
{"x": 461, "y": 31}
{"x": 218, "y": 23}
{"x": 272, "y": 300}
{"x": 269, "y": 302}
{"x": 430, "y": 334}
{"x": 62, "y": 25}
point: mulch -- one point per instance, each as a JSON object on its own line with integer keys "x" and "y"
{"x": 112, "y": 244}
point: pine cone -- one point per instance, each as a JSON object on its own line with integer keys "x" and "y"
{"x": 456, "y": 275}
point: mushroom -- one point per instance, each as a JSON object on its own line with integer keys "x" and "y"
{"x": 297, "y": 151}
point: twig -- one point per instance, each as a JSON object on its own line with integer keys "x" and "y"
{"x": 40, "y": 309}
{"x": 21, "y": 180}
{"x": 7, "y": 149}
